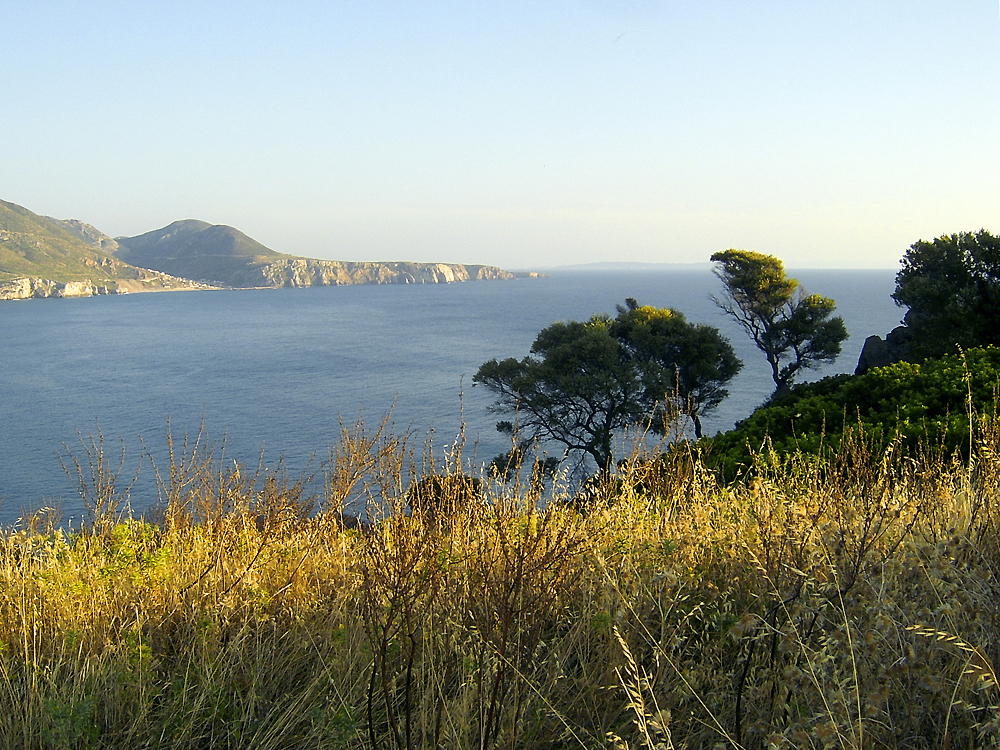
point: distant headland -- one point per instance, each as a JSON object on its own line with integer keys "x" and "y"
{"x": 45, "y": 257}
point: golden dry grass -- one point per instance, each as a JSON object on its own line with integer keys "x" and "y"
{"x": 846, "y": 604}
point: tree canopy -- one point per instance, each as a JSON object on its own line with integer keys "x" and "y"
{"x": 951, "y": 286}
{"x": 577, "y": 389}
{"x": 683, "y": 367}
{"x": 585, "y": 381}
{"x": 794, "y": 330}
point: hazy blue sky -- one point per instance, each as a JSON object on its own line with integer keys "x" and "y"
{"x": 520, "y": 134}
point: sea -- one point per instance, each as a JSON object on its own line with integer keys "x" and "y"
{"x": 270, "y": 375}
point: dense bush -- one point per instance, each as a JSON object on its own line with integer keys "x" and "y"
{"x": 928, "y": 405}
{"x": 951, "y": 286}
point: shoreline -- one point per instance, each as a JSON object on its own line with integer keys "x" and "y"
{"x": 34, "y": 287}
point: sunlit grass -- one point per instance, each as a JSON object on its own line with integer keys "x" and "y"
{"x": 850, "y": 603}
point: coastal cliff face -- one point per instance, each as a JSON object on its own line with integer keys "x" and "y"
{"x": 42, "y": 257}
{"x": 299, "y": 272}
{"x": 128, "y": 280}
{"x": 37, "y": 288}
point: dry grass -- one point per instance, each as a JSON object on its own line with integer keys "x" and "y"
{"x": 850, "y": 604}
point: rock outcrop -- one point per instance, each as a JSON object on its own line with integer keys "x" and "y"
{"x": 142, "y": 280}
{"x": 879, "y": 352}
{"x": 89, "y": 234}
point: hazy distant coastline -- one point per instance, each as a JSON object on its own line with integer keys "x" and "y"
{"x": 43, "y": 257}
{"x": 629, "y": 266}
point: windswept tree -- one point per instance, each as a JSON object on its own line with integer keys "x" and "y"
{"x": 585, "y": 382}
{"x": 577, "y": 388}
{"x": 794, "y": 330}
{"x": 952, "y": 289}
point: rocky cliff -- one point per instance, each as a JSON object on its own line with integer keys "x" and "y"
{"x": 34, "y": 287}
{"x": 45, "y": 257}
{"x": 298, "y": 272}
{"x": 89, "y": 234}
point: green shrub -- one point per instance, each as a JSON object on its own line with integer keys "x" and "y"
{"x": 927, "y": 405}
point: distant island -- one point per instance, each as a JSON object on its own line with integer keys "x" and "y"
{"x": 45, "y": 257}
{"x": 617, "y": 265}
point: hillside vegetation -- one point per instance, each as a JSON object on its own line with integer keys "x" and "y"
{"x": 32, "y": 245}
{"x": 194, "y": 249}
{"x": 925, "y": 403}
{"x": 850, "y": 602}
{"x": 40, "y": 256}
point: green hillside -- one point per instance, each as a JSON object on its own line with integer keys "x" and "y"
{"x": 45, "y": 257}
{"x": 196, "y": 250}
{"x": 36, "y": 246}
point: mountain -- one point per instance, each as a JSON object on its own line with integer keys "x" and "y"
{"x": 195, "y": 250}
{"x": 45, "y": 257}
{"x": 219, "y": 254}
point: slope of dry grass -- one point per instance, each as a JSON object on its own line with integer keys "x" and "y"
{"x": 852, "y": 604}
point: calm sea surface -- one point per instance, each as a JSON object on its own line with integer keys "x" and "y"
{"x": 275, "y": 370}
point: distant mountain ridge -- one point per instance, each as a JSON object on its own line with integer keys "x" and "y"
{"x": 220, "y": 254}
{"x": 45, "y": 257}
{"x": 604, "y": 266}
{"x": 89, "y": 234}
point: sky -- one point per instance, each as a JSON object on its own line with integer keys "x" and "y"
{"x": 830, "y": 133}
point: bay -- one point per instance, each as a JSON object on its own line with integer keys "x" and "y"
{"x": 272, "y": 372}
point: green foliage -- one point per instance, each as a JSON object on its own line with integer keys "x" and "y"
{"x": 577, "y": 389}
{"x": 951, "y": 286}
{"x": 793, "y": 330}
{"x": 585, "y": 381}
{"x": 683, "y": 366}
{"x": 69, "y": 724}
{"x": 929, "y": 404}
{"x": 32, "y": 245}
